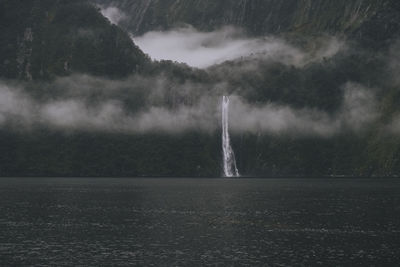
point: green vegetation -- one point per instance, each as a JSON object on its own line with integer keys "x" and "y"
{"x": 374, "y": 22}
{"x": 43, "y": 40}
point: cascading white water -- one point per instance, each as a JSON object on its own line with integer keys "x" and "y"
{"x": 230, "y": 168}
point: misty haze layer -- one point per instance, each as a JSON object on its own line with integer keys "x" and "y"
{"x": 76, "y": 110}
{"x": 204, "y": 49}
{"x": 357, "y": 111}
{"x": 113, "y": 14}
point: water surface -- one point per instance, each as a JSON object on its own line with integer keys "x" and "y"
{"x": 199, "y": 222}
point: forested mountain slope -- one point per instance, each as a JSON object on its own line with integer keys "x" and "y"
{"x": 376, "y": 20}
{"x": 43, "y": 39}
{"x": 79, "y": 98}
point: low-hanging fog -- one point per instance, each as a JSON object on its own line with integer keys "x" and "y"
{"x": 75, "y": 109}
{"x": 141, "y": 104}
{"x": 113, "y": 14}
{"x": 204, "y": 49}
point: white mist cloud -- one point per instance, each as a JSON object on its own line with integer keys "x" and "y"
{"x": 16, "y": 106}
{"x": 79, "y": 112}
{"x": 75, "y": 112}
{"x": 358, "y": 110}
{"x": 204, "y": 49}
{"x": 113, "y": 117}
{"x": 113, "y": 14}
{"x": 201, "y": 117}
{"x": 393, "y": 126}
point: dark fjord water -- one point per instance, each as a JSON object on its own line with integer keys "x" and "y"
{"x": 200, "y": 222}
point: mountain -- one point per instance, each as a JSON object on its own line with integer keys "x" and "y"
{"x": 79, "y": 98}
{"x": 42, "y": 39}
{"x": 365, "y": 19}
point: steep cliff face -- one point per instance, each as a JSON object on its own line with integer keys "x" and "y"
{"x": 42, "y": 38}
{"x": 50, "y": 38}
{"x": 256, "y": 15}
{"x": 372, "y": 19}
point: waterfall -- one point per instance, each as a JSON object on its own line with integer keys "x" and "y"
{"x": 230, "y": 168}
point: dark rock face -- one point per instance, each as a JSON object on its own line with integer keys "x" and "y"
{"x": 45, "y": 39}
{"x": 355, "y": 17}
{"x": 42, "y": 39}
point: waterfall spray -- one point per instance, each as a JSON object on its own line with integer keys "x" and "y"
{"x": 230, "y": 168}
